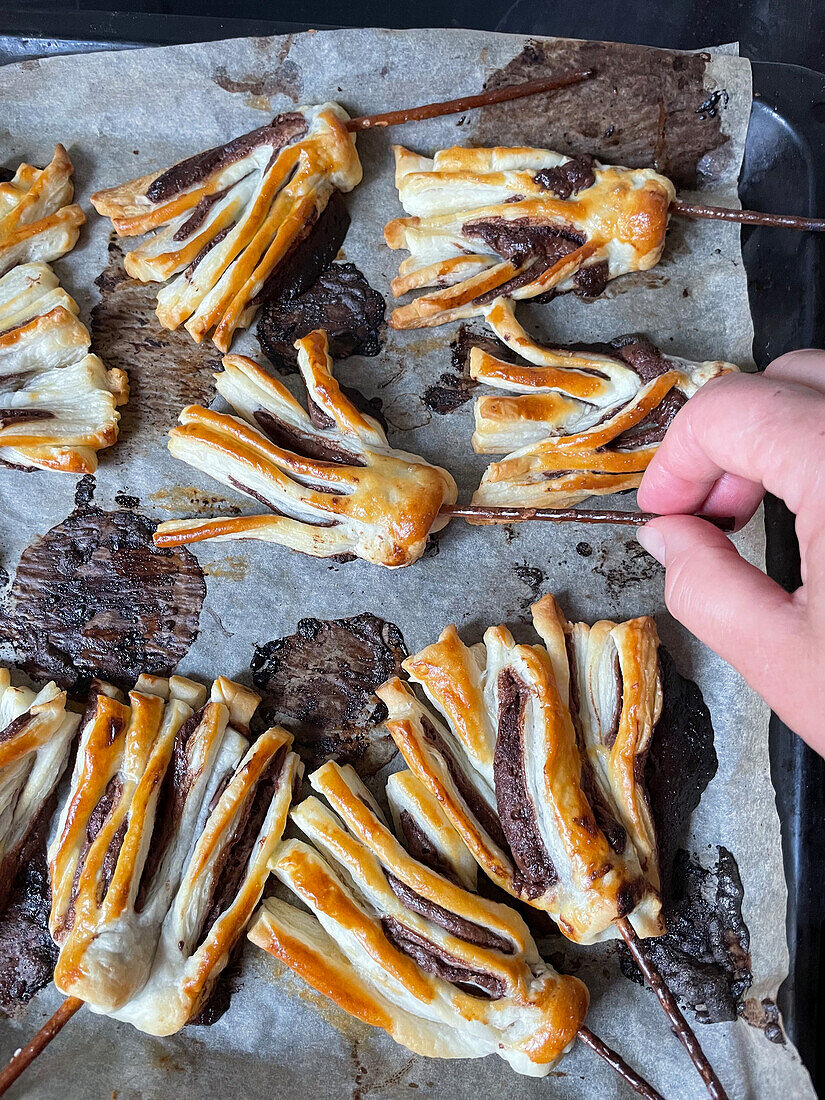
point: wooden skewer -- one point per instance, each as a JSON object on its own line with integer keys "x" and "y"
{"x": 598, "y": 1046}
{"x": 746, "y": 217}
{"x": 681, "y": 1028}
{"x": 483, "y": 514}
{"x": 467, "y": 103}
{"x": 27, "y": 1054}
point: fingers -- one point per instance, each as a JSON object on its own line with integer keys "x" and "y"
{"x": 730, "y": 605}
{"x": 765, "y": 431}
{"x": 805, "y": 367}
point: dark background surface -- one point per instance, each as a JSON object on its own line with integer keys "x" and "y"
{"x": 767, "y": 30}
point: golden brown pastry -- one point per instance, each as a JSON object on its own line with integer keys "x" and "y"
{"x": 57, "y": 402}
{"x": 405, "y": 946}
{"x": 38, "y": 220}
{"x": 162, "y": 846}
{"x": 518, "y": 223}
{"x": 328, "y": 475}
{"x": 536, "y": 754}
{"x": 224, "y": 220}
{"x": 36, "y": 733}
{"x": 575, "y": 423}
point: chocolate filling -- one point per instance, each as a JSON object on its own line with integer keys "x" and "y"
{"x": 651, "y": 430}
{"x": 417, "y": 843}
{"x": 531, "y": 246}
{"x": 232, "y": 862}
{"x": 477, "y": 806}
{"x": 302, "y": 443}
{"x": 569, "y": 178}
{"x": 22, "y": 416}
{"x": 590, "y": 281}
{"x": 614, "y": 832}
{"x": 515, "y": 807}
{"x": 320, "y": 684}
{"x": 204, "y": 251}
{"x": 198, "y": 215}
{"x": 442, "y": 964}
{"x": 16, "y": 726}
{"x": 177, "y": 783}
{"x": 457, "y": 926}
{"x": 282, "y": 131}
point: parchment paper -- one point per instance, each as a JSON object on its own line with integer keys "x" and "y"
{"x": 123, "y": 114}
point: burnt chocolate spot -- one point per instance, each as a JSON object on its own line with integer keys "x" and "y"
{"x": 569, "y": 178}
{"x": 167, "y": 370}
{"x": 455, "y": 387}
{"x": 320, "y": 684}
{"x": 434, "y": 960}
{"x": 94, "y": 597}
{"x": 458, "y": 926}
{"x": 705, "y": 956}
{"x": 515, "y": 806}
{"x": 282, "y": 131}
{"x": 615, "y": 116}
{"x": 680, "y": 764}
{"x": 27, "y": 952}
{"x": 341, "y": 302}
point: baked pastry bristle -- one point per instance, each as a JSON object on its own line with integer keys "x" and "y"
{"x": 328, "y": 475}
{"x": 519, "y": 223}
{"x": 536, "y": 754}
{"x": 161, "y": 849}
{"x": 224, "y": 220}
{"x": 402, "y": 946}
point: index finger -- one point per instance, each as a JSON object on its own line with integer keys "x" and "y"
{"x": 756, "y": 428}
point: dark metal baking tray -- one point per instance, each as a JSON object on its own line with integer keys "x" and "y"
{"x": 784, "y": 171}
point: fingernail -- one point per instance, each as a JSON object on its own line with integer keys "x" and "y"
{"x": 653, "y": 542}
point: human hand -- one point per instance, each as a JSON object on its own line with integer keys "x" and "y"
{"x": 739, "y": 436}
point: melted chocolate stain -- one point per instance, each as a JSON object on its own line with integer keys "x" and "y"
{"x": 94, "y": 597}
{"x": 455, "y": 388}
{"x": 167, "y": 370}
{"x": 320, "y": 684}
{"x": 642, "y": 106}
{"x": 341, "y": 301}
{"x": 704, "y": 957}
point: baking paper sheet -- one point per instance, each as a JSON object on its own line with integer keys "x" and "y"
{"x": 123, "y": 114}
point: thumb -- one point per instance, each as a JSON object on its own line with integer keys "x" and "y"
{"x": 731, "y": 606}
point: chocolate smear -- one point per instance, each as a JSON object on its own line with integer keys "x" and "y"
{"x": 434, "y": 960}
{"x": 641, "y": 104}
{"x": 94, "y": 597}
{"x": 341, "y": 302}
{"x": 515, "y": 806}
{"x": 320, "y": 683}
{"x": 167, "y": 370}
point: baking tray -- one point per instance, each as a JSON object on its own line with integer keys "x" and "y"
{"x": 783, "y": 171}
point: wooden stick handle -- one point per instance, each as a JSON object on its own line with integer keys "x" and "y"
{"x": 746, "y": 217}
{"x": 626, "y": 1072}
{"x": 481, "y": 514}
{"x": 467, "y": 103}
{"x": 25, "y": 1056}
{"x": 681, "y": 1028}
